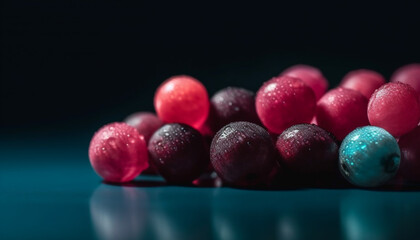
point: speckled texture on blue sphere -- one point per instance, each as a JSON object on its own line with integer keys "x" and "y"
{"x": 369, "y": 156}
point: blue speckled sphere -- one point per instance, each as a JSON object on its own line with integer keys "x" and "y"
{"x": 369, "y": 156}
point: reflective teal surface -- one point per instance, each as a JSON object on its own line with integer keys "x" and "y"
{"x": 54, "y": 194}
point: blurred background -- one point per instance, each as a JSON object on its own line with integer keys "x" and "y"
{"x": 68, "y": 67}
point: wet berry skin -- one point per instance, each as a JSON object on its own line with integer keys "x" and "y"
{"x": 118, "y": 153}
{"x": 243, "y": 155}
{"x": 364, "y": 81}
{"x": 233, "y": 104}
{"x": 146, "y": 123}
{"x": 410, "y": 155}
{"x": 178, "y": 152}
{"x": 283, "y": 102}
{"x": 342, "y": 110}
{"x": 311, "y": 76}
{"x": 369, "y": 157}
{"x": 394, "y": 107}
{"x": 408, "y": 74}
{"x": 182, "y": 99}
{"x": 307, "y": 149}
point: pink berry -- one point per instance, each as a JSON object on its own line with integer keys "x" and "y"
{"x": 408, "y": 74}
{"x": 342, "y": 110}
{"x": 284, "y": 101}
{"x": 146, "y": 123}
{"x": 394, "y": 107}
{"x": 311, "y": 76}
{"x": 364, "y": 81}
{"x": 410, "y": 155}
{"x": 118, "y": 153}
{"x": 182, "y": 99}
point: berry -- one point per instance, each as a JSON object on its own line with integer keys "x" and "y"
{"x": 243, "y": 155}
{"x": 394, "y": 107}
{"x": 182, "y": 99}
{"x": 410, "y": 155}
{"x": 408, "y": 74}
{"x": 118, "y": 153}
{"x": 307, "y": 149}
{"x": 146, "y": 123}
{"x": 178, "y": 152}
{"x": 231, "y": 105}
{"x": 284, "y": 101}
{"x": 311, "y": 76}
{"x": 363, "y": 80}
{"x": 341, "y": 110}
{"x": 369, "y": 156}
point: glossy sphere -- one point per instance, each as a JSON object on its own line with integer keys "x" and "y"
{"x": 307, "y": 149}
{"x": 243, "y": 155}
{"x": 232, "y": 105}
{"x": 341, "y": 110}
{"x": 410, "y": 155}
{"x": 118, "y": 153}
{"x": 285, "y": 101}
{"x": 311, "y": 76}
{"x": 394, "y": 107}
{"x": 178, "y": 152}
{"x": 182, "y": 99}
{"x": 408, "y": 74}
{"x": 369, "y": 156}
{"x": 364, "y": 81}
{"x": 146, "y": 123}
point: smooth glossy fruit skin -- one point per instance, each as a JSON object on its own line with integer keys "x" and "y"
{"x": 307, "y": 149}
{"x": 408, "y": 74}
{"x": 146, "y": 123}
{"x": 369, "y": 157}
{"x": 243, "y": 155}
{"x": 182, "y": 99}
{"x": 118, "y": 153}
{"x": 311, "y": 76}
{"x": 410, "y": 155}
{"x": 233, "y": 104}
{"x": 394, "y": 107}
{"x": 364, "y": 81}
{"x": 342, "y": 110}
{"x": 178, "y": 152}
{"x": 283, "y": 102}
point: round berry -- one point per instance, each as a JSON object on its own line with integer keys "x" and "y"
{"x": 146, "y": 123}
{"x": 410, "y": 155}
{"x": 307, "y": 149}
{"x": 233, "y": 104}
{"x": 178, "y": 152}
{"x": 118, "y": 153}
{"x": 341, "y": 110}
{"x": 364, "y": 81}
{"x": 311, "y": 76}
{"x": 408, "y": 74}
{"x": 369, "y": 156}
{"x": 394, "y": 107}
{"x": 182, "y": 99}
{"x": 283, "y": 102}
{"x": 243, "y": 155}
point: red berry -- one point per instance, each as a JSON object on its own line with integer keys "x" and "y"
{"x": 182, "y": 99}
{"x": 307, "y": 149}
{"x": 394, "y": 107}
{"x": 284, "y": 101}
{"x": 408, "y": 74}
{"x": 243, "y": 155}
{"x": 311, "y": 76}
{"x": 178, "y": 152}
{"x": 363, "y": 80}
{"x": 342, "y": 110}
{"x": 146, "y": 123}
{"x": 410, "y": 155}
{"x": 118, "y": 153}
